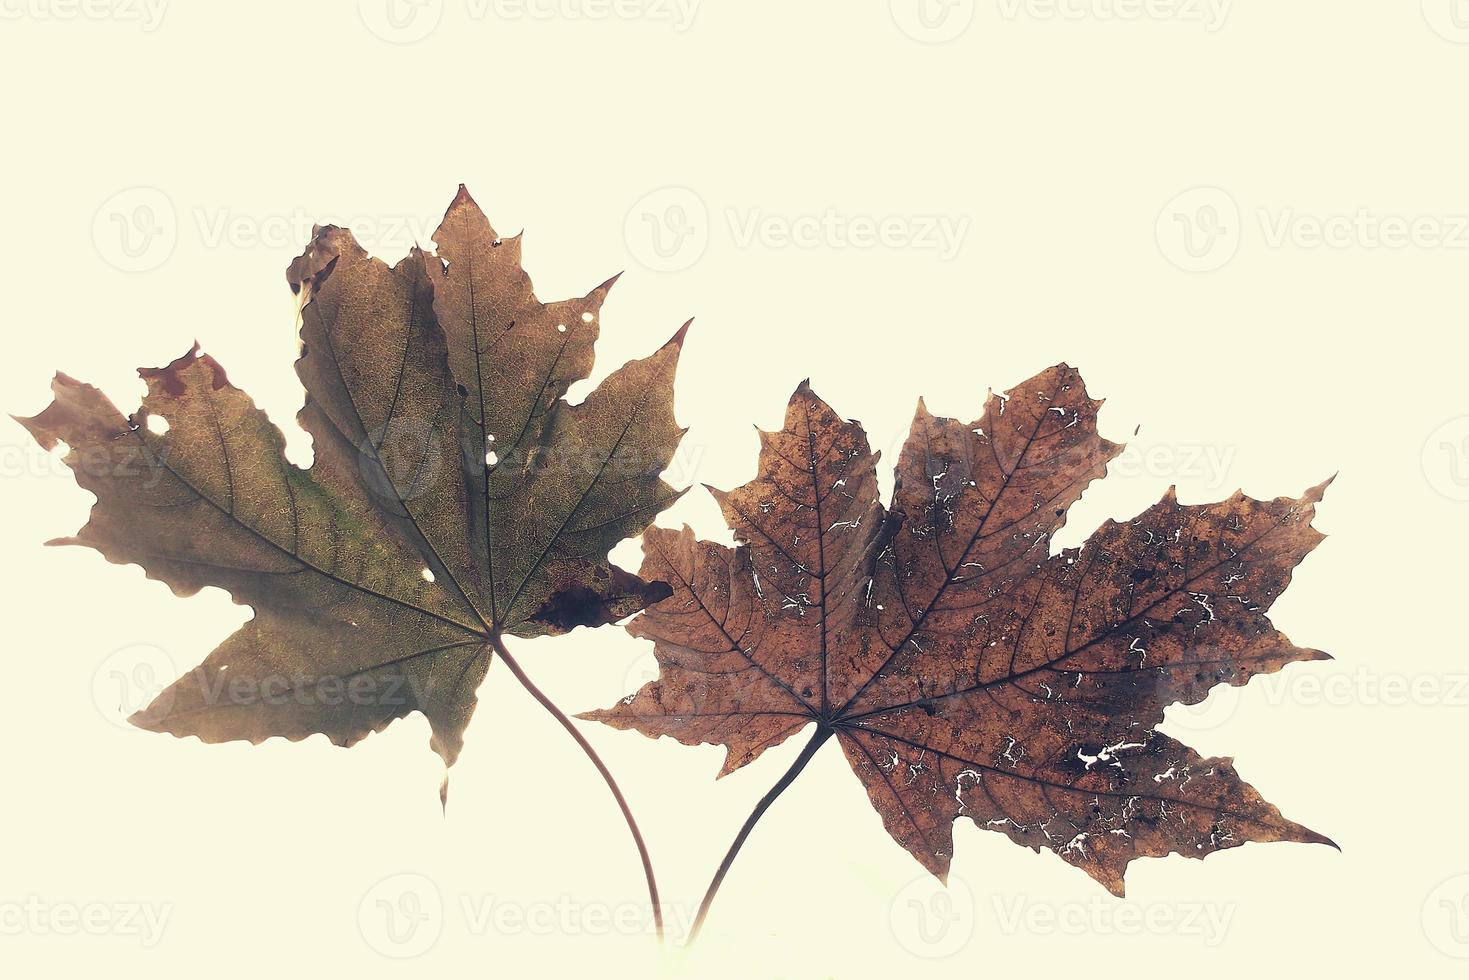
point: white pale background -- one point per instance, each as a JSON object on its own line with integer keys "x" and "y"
{"x": 162, "y": 166}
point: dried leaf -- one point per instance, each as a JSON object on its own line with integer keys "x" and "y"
{"x": 965, "y": 670}
{"x": 454, "y": 495}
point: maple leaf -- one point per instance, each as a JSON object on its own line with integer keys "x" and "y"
{"x": 965, "y": 670}
{"x": 454, "y": 495}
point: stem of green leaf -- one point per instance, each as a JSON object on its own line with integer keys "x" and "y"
{"x": 499, "y": 647}
{"x": 822, "y": 733}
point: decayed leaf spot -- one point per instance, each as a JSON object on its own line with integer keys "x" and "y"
{"x": 965, "y": 670}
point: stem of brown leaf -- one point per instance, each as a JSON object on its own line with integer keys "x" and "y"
{"x": 821, "y": 735}
{"x": 499, "y": 647}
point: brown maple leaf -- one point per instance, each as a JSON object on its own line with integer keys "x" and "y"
{"x": 454, "y": 496}
{"x": 965, "y": 670}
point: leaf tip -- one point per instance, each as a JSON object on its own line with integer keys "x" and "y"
{"x": 1308, "y": 836}
{"x": 144, "y": 718}
{"x": 678, "y": 338}
{"x": 803, "y": 391}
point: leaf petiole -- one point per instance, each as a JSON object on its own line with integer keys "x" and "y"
{"x": 818, "y": 738}
{"x": 498, "y": 645}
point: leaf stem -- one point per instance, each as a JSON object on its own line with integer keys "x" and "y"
{"x": 499, "y": 647}
{"x": 822, "y": 733}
